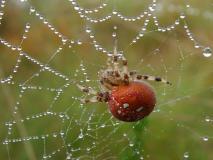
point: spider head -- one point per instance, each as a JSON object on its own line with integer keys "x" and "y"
{"x": 110, "y": 78}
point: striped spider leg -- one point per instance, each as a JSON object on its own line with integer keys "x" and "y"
{"x": 138, "y": 77}
{"x": 96, "y": 96}
{"x": 126, "y": 76}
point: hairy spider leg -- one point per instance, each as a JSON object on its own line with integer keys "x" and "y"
{"x": 125, "y": 72}
{"x": 88, "y": 90}
{"x": 116, "y": 60}
{"x": 115, "y": 56}
{"x": 93, "y": 99}
{"x": 97, "y": 96}
{"x": 125, "y": 65}
{"x": 149, "y": 78}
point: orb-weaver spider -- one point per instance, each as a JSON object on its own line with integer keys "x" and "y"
{"x": 129, "y": 98}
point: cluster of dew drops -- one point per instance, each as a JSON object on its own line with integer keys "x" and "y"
{"x": 147, "y": 14}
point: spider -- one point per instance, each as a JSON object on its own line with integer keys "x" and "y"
{"x": 127, "y": 94}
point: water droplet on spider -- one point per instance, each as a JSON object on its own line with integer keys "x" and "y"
{"x": 207, "y": 52}
{"x": 186, "y": 155}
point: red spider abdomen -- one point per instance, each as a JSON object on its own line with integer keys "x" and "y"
{"x": 132, "y": 102}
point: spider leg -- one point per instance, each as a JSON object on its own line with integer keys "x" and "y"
{"x": 125, "y": 65}
{"x": 90, "y": 100}
{"x": 87, "y": 90}
{"x": 114, "y": 58}
{"x": 125, "y": 71}
{"x": 150, "y": 78}
{"x": 112, "y": 61}
{"x": 99, "y": 97}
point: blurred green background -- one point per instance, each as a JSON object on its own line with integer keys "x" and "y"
{"x": 179, "y": 128}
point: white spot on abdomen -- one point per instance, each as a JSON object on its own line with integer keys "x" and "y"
{"x": 125, "y": 105}
{"x": 139, "y": 109}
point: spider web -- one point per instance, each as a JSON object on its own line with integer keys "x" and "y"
{"x": 47, "y": 47}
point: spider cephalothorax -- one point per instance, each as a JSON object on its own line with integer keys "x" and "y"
{"x": 129, "y": 98}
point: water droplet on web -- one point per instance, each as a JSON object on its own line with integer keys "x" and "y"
{"x": 103, "y": 125}
{"x": 114, "y": 12}
{"x": 131, "y": 144}
{"x": 151, "y": 9}
{"x": 182, "y": 16}
{"x": 115, "y": 27}
{"x": 88, "y": 30}
{"x": 141, "y": 158}
{"x": 79, "y": 42}
{"x": 114, "y": 34}
{"x": 81, "y": 135}
{"x": 186, "y": 155}
{"x": 76, "y": 8}
{"x": 197, "y": 46}
{"x": 68, "y": 156}
{"x": 207, "y": 119}
{"x": 188, "y": 6}
{"x": 207, "y": 52}
{"x": 205, "y": 139}
{"x": 54, "y": 135}
{"x": 32, "y": 9}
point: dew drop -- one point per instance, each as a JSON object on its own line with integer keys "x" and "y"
{"x": 103, "y": 125}
{"x": 188, "y": 6}
{"x": 207, "y": 52}
{"x": 79, "y": 42}
{"x": 114, "y": 12}
{"x": 115, "y": 27}
{"x": 207, "y": 119}
{"x": 32, "y": 9}
{"x": 76, "y": 8}
{"x": 197, "y": 46}
{"x": 205, "y": 139}
{"x": 80, "y": 136}
{"x": 182, "y": 16}
{"x": 131, "y": 144}
{"x": 114, "y": 34}
{"x": 88, "y": 30}
{"x": 186, "y": 155}
{"x": 151, "y": 9}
